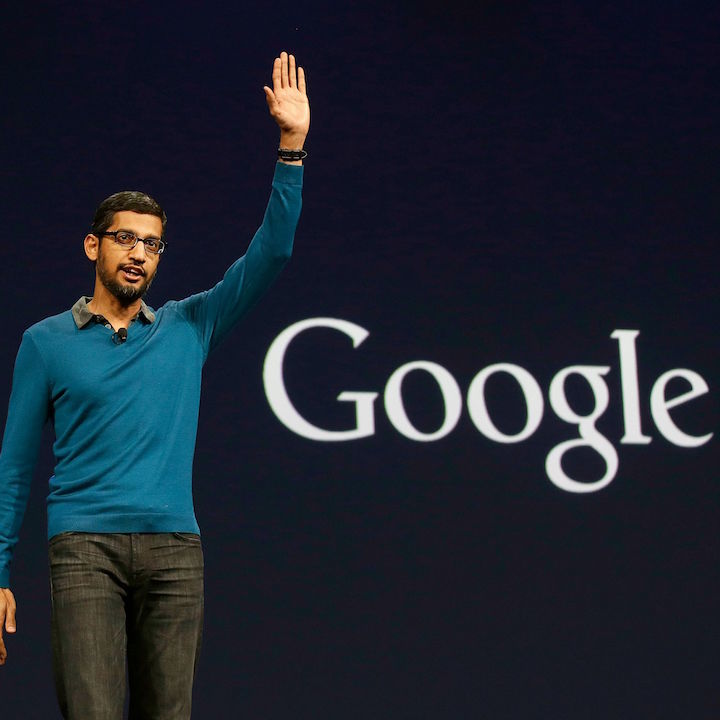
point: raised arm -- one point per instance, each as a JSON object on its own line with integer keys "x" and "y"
{"x": 214, "y": 312}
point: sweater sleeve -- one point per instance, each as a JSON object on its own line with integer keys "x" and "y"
{"x": 27, "y": 413}
{"x": 214, "y": 312}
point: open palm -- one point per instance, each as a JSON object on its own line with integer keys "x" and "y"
{"x": 288, "y": 101}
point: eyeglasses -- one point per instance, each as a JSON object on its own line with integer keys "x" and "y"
{"x": 129, "y": 240}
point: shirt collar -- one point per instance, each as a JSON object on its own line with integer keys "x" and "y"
{"x": 82, "y": 315}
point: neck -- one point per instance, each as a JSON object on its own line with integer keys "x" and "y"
{"x": 116, "y": 313}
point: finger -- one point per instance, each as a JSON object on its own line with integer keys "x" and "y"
{"x": 293, "y": 74}
{"x": 10, "y": 625}
{"x": 284, "y": 68}
{"x": 276, "y": 75}
{"x": 3, "y": 651}
{"x": 301, "y": 81}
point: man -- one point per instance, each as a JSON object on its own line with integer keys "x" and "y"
{"x": 121, "y": 384}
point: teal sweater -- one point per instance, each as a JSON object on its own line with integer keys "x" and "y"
{"x": 125, "y": 415}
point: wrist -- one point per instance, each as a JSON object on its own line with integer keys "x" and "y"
{"x": 292, "y": 141}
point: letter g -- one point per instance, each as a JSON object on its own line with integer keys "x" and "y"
{"x": 589, "y": 435}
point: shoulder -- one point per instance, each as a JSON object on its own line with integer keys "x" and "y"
{"x": 39, "y": 340}
{"x": 49, "y": 328}
{"x": 172, "y": 314}
{"x": 168, "y": 310}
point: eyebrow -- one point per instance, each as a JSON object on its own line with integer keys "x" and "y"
{"x": 132, "y": 232}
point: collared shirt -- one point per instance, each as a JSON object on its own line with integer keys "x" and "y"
{"x": 82, "y": 315}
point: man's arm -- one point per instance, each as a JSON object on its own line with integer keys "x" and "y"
{"x": 214, "y": 312}
{"x": 27, "y": 413}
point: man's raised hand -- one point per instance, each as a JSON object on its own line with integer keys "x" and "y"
{"x": 288, "y": 102}
{"x": 7, "y": 618}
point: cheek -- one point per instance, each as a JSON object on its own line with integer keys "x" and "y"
{"x": 152, "y": 271}
{"x": 102, "y": 254}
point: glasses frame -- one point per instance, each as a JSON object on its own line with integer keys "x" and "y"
{"x": 114, "y": 233}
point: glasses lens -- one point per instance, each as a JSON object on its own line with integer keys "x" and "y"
{"x": 130, "y": 240}
{"x": 126, "y": 239}
{"x": 153, "y": 245}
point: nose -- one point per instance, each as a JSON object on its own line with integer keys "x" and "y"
{"x": 138, "y": 253}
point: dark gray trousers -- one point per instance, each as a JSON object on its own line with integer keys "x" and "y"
{"x": 126, "y": 596}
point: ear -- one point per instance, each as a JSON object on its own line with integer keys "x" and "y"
{"x": 92, "y": 245}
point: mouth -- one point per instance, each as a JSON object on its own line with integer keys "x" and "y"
{"x": 132, "y": 273}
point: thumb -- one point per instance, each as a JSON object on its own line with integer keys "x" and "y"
{"x": 270, "y": 97}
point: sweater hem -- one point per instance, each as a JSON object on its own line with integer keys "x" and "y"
{"x": 124, "y": 523}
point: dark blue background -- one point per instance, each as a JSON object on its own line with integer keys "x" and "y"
{"x": 507, "y": 183}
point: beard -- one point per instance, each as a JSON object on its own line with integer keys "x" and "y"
{"x": 125, "y": 294}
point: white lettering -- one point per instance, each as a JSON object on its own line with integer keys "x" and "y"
{"x": 280, "y": 402}
{"x": 589, "y": 436}
{"x": 477, "y": 406}
{"x": 630, "y": 393}
{"x": 395, "y": 409}
{"x": 659, "y": 406}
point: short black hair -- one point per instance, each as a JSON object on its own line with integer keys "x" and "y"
{"x": 132, "y": 200}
